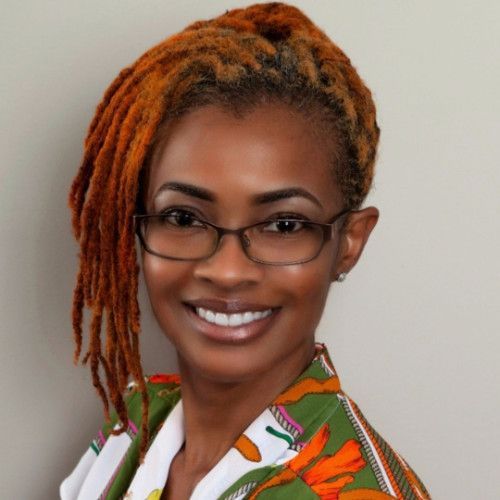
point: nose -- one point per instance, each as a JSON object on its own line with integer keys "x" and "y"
{"x": 229, "y": 266}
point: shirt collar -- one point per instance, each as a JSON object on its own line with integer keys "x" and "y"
{"x": 307, "y": 403}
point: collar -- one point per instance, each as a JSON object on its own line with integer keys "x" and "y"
{"x": 273, "y": 438}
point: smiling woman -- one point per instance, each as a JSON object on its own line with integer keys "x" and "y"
{"x": 239, "y": 152}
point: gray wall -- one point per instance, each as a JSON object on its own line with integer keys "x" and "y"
{"x": 413, "y": 330}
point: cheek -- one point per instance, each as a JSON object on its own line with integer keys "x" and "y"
{"x": 314, "y": 277}
{"x": 152, "y": 274}
{"x": 162, "y": 276}
{"x": 307, "y": 285}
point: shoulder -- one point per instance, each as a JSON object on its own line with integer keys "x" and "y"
{"x": 111, "y": 460}
{"x": 163, "y": 393}
{"x": 373, "y": 463}
{"x": 345, "y": 458}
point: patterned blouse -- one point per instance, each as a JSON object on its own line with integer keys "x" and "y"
{"x": 311, "y": 442}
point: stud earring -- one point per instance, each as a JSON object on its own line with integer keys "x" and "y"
{"x": 341, "y": 277}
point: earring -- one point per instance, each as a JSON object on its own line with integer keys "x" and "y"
{"x": 341, "y": 277}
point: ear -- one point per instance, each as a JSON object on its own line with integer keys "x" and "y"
{"x": 353, "y": 237}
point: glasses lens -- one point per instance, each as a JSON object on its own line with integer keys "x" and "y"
{"x": 178, "y": 236}
{"x": 284, "y": 241}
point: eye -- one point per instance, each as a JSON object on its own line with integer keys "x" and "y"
{"x": 180, "y": 218}
{"x": 284, "y": 225}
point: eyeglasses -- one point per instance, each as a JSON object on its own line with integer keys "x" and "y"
{"x": 179, "y": 235}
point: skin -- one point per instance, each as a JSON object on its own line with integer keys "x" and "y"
{"x": 225, "y": 387}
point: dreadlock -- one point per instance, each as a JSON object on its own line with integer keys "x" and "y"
{"x": 234, "y": 60}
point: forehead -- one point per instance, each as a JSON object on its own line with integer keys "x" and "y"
{"x": 270, "y": 147}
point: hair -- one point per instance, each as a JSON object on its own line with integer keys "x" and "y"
{"x": 237, "y": 60}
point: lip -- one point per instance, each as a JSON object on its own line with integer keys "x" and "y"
{"x": 232, "y": 334}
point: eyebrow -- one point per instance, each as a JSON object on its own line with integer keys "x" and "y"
{"x": 282, "y": 194}
{"x": 259, "y": 199}
{"x": 188, "y": 189}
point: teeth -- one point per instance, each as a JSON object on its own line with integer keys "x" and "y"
{"x": 237, "y": 319}
{"x": 221, "y": 319}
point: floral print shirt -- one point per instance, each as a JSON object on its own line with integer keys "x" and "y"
{"x": 311, "y": 442}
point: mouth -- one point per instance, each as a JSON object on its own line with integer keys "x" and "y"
{"x": 231, "y": 328}
{"x": 235, "y": 319}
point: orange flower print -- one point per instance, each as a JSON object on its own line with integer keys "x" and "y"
{"x": 328, "y": 475}
{"x": 164, "y": 378}
{"x": 248, "y": 448}
{"x": 307, "y": 386}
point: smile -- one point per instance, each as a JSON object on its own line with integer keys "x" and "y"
{"x": 231, "y": 328}
{"x": 236, "y": 319}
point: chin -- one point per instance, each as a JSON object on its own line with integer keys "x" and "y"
{"x": 224, "y": 363}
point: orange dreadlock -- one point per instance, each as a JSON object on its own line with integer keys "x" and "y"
{"x": 268, "y": 50}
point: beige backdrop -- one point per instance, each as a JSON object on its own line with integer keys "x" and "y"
{"x": 414, "y": 329}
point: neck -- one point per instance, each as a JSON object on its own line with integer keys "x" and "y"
{"x": 217, "y": 413}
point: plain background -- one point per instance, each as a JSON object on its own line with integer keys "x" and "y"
{"x": 413, "y": 331}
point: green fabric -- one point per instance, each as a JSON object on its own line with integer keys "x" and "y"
{"x": 162, "y": 397}
{"x": 315, "y": 402}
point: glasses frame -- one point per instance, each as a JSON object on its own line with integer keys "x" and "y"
{"x": 240, "y": 232}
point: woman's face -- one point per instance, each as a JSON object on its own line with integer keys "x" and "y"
{"x": 229, "y": 162}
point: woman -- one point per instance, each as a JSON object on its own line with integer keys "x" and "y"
{"x": 239, "y": 151}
